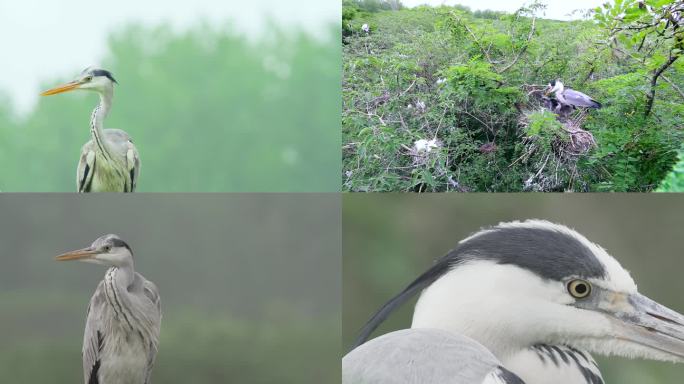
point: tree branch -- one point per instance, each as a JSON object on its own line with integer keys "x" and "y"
{"x": 673, "y": 85}
{"x": 522, "y": 50}
{"x": 654, "y": 81}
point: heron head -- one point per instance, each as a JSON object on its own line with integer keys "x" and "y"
{"x": 524, "y": 283}
{"x": 107, "y": 250}
{"x": 553, "y": 86}
{"x": 91, "y": 79}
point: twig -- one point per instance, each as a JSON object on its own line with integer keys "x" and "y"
{"x": 522, "y": 50}
{"x": 409, "y": 88}
{"x": 676, "y": 88}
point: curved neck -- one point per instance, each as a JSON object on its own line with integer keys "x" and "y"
{"x": 97, "y": 123}
{"x": 117, "y": 281}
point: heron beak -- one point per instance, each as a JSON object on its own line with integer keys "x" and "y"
{"x": 647, "y": 323}
{"x": 78, "y": 254}
{"x": 62, "y": 88}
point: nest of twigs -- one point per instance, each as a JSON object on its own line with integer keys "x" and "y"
{"x": 578, "y": 141}
{"x": 554, "y": 160}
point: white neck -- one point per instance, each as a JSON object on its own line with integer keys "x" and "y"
{"x": 124, "y": 275}
{"x": 97, "y": 123}
{"x": 559, "y": 88}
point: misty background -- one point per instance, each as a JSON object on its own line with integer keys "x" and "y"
{"x": 389, "y": 239}
{"x": 250, "y": 284}
{"x": 217, "y": 96}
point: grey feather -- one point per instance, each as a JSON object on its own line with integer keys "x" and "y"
{"x": 423, "y": 356}
{"x": 578, "y": 99}
{"x": 103, "y": 319}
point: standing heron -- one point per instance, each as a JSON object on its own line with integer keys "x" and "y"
{"x": 122, "y": 326}
{"x": 538, "y": 296}
{"x": 109, "y": 161}
{"x": 570, "y": 97}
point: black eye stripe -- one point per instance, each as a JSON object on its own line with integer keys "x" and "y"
{"x": 120, "y": 243}
{"x": 105, "y": 73}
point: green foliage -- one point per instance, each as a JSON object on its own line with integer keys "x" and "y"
{"x": 476, "y": 77}
{"x": 374, "y": 5}
{"x": 648, "y": 33}
{"x": 635, "y": 152}
{"x": 478, "y": 82}
{"x": 544, "y": 124}
{"x": 674, "y": 181}
{"x": 208, "y": 109}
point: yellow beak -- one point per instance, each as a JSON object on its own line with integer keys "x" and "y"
{"x": 76, "y": 255}
{"x": 62, "y": 88}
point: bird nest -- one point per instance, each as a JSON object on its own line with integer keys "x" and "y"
{"x": 552, "y": 151}
{"x": 575, "y": 141}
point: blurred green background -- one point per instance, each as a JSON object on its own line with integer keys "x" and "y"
{"x": 389, "y": 239}
{"x": 215, "y": 105}
{"x": 250, "y": 284}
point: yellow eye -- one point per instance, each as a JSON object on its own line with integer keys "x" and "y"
{"x": 579, "y": 289}
{"x": 88, "y": 78}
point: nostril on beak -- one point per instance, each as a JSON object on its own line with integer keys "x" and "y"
{"x": 665, "y": 319}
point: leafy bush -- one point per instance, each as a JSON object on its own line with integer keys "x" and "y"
{"x": 473, "y": 82}
{"x": 674, "y": 181}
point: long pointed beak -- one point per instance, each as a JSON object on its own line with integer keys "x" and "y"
{"x": 78, "y": 254}
{"x": 62, "y": 88}
{"x": 652, "y": 325}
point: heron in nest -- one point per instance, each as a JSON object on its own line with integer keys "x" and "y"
{"x": 570, "y": 97}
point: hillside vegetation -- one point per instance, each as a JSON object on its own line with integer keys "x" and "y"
{"x": 441, "y": 99}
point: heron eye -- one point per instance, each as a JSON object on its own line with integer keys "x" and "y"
{"x": 107, "y": 248}
{"x": 88, "y": 78}
{"x": 579, "y": 289}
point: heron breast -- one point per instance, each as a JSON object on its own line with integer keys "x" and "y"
{"x": 123, "y": 360}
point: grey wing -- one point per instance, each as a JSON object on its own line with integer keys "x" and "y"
{"x": 133, "y": 163}
{"x": 579, "y": 99}
{"x": 94, "y": 336}
{"x": 86, "y": 168}
{"x": 424, "y": 356}
{"x": 123, "y": 145}
{"x": 152, "y": 293}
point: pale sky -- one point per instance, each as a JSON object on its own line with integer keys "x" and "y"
{"x": 556, "y": 9}
{"x": 41, "y": 40}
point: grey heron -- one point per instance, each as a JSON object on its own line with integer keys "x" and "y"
{"x": 540, "y": 297}
{"x": 109, "y": 162}
{"x": 570, "y": 97}
{"x": 124, "y": 315}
